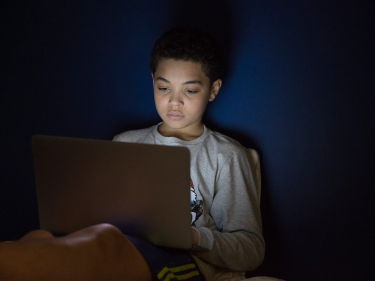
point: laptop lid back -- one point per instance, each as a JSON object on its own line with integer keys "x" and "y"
{"x": 142, "y": 189}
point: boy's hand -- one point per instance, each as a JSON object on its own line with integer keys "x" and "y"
{"x": 195, "y": 236}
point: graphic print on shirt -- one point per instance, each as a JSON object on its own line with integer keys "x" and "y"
{"x": 196, "y": 205}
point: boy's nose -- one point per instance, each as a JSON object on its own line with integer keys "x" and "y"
{"x": 175, "y": 100}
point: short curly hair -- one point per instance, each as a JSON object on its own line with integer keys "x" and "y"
{"x": 188, "y": 45}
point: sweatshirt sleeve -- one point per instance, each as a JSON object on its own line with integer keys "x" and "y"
{"x": 235, "y": 241}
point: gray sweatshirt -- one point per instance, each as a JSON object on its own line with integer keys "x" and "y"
{"x": 225, "y": 208}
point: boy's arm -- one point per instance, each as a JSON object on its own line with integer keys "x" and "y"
{"x": 235, "y": 241}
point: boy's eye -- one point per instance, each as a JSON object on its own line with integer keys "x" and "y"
{"x": 191, "y": 91}
{"x": 163, "y": 89}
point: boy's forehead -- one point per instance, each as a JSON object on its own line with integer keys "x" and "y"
{"x": 180, "y": 70}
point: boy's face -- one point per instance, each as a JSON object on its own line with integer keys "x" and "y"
{"x": 182, "y": 91}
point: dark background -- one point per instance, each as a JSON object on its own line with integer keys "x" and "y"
{"x": 299, "y": 88}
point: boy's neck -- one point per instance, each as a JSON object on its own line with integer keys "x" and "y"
{"x": 186, "y": 134}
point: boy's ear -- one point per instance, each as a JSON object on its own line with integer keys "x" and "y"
{"x": 152, "y": 75}
{"x": 215, "y": 88}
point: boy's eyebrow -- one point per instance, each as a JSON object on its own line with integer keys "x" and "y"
{"x": 185, "y": 83}
{"x": 163, "y": 79}
{"x": 192, "y": 82}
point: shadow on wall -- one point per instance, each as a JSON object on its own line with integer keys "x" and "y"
{"x": 217, "y": 18}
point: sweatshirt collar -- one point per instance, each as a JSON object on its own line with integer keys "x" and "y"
{"x": 174, "y": 140}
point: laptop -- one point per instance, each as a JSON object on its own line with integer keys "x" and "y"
{"x": 142, "y": 189}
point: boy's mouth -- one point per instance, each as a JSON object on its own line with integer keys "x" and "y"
{"x": 175, "y": 115}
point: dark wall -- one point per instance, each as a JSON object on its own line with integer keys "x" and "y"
{"x": 299, "y": 88}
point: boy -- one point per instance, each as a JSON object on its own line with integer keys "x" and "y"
{"x": 226, "y": 224}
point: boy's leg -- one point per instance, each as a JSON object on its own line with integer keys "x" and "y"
{"x": 99, "y": 252}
